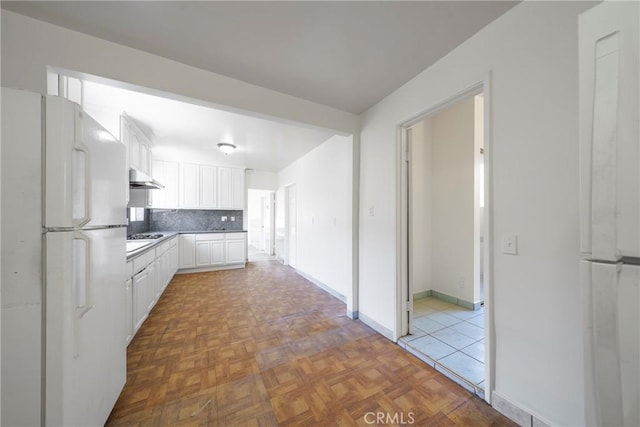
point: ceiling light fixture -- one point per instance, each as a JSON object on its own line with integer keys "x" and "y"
{"x": 226, "y": 147}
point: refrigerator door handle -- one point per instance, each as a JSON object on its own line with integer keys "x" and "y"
{"x": 86, "y": 194}
{"x": 81, "y": 282}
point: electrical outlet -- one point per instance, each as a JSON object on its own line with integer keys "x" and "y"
{"x": 233, "y": 218}
{"x": 223, "y": 219}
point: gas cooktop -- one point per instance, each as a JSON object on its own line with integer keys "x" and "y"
{"x": 144, "y": 236}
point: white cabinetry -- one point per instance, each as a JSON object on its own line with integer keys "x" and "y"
{"x": 187, "y": 251}
{"x": 208, "y": 187}
{"x": 140, "y": 290}
{"x": 167, "y": 173}
{"x": 230, "y": 188}
{"x": 235, "y": 248}
{"x": 137, "y": 143}
{"x": 190, "y": 186}
{"x": 152, "y": 271}
{"x": 211, "y": 251}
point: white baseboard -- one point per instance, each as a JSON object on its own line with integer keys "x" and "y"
{"x": 205, "y": 269}
{"x": 515, "y": 413}
{"x": 322, "y": 286}
{"x": 387, "y": 333}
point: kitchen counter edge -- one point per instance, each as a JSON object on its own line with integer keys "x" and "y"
{"x": 168, "y": 235}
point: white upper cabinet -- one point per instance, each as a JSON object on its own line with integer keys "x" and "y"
{"x": 231, "y": 188}
{"x": 167, "y": 173}
{"x": 190, "y": 197}
{"x": 208, "y": 187}
{"x": 137, "y": 143}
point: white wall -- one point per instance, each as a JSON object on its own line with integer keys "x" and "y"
{"x": 452, "y": 213}
{"x": 29, "y": 46}
{"x": 420, "y": 199}
{"x": 324, "y": 222}
{"x": 532, "y": 52}
{"x": 260, "y": 180}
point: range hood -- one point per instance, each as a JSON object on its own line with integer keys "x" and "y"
{"x": 139, "y": 179}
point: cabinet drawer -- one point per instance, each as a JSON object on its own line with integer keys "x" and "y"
{"x": 210, "y": 236}
{"x": 141, "y": 262}
{"x": 130, "y": 268}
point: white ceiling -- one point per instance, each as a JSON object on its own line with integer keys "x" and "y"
{"x": 185, "y": 131}
{"x": 344, "y": 54}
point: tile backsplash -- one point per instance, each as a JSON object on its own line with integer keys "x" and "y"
{"x": 193, "y": 220}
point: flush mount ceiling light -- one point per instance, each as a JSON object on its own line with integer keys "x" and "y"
{"x": 226, "y": 148}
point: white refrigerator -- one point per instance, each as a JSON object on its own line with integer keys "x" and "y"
{"x": 610, "y": 213}
{"x": 64, "y": 184}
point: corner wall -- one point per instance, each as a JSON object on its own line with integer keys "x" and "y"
{"x": 534, "y": 148}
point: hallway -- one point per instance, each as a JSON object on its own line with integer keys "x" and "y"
{"x": 263, "y": 346}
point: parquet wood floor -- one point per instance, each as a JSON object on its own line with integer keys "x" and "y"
{"x": 262, "y": 346}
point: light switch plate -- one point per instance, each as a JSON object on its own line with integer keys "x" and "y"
{"x": 510, "y": 244}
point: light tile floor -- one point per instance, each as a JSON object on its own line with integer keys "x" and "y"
{"x": 451, "y": 337}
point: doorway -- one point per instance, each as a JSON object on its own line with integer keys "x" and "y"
{"x": 443, "y": 249}
{"x": 260, "y": 207}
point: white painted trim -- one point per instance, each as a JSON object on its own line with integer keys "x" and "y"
{"x": 387, "y": 333}
{"x": 322, "y": 286}
{"x": 521, "y": 416}
{"x": 205, "y": 269}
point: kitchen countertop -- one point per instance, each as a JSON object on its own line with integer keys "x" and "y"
{"x": 166, "y": 236}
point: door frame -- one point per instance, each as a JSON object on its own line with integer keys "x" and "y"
{"x": 404, "y": 297}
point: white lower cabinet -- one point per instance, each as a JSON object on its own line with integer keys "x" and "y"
{"x": 129, "y": 311}
{"x": 187, "y": 248}
{"x": 140, "y": 306}
{"x": 152, "y": 271}
{"x": 209, "y": 249}
{"x": 236, "y": 249}
{"x": 212, "y": 250}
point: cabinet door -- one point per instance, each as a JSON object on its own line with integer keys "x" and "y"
{"x": 235, "y": 248}
{"x": 187, "y": 246}
{"x": 140, "y": 283}
{"x": 151, "y": 286}
{"x": 237, "y": 189}
{"x": 224, "y": 188}
{"x": 203, "y": 253}
{"x": 190, "y": 185}
{"x": 145, "y": 157}
{"x": 128, "y": 311}
{"x": 134, "y": 149}
{"x": 217, "y": 252}
{"x": 208, "y": 187}
{"x": 167, "y": 173}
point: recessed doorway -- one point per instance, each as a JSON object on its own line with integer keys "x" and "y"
{"x": 260, "y": 207}
{"x": 443, "y": 249}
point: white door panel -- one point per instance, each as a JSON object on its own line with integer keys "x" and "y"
{"x": 85, "y": 322}
{"x": 86, "y": 175}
